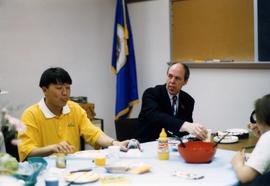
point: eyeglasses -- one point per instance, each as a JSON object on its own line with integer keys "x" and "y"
{"x": 253, "y": 117}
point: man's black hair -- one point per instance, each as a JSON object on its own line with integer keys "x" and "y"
{"x": 186, "y": 68}
{"x": 54, "y": 75}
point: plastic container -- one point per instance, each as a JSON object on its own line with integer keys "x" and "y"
{"x": 163, "y": 147}
{"x": 100, "y": 160}
{"x": 114, "y": 152}
{"x": 51, "y": 181}
{"x": 60, "y": 160}
{"x": 37, "y": 164}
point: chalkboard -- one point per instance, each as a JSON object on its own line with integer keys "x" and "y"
{"x": 264, "y": 30}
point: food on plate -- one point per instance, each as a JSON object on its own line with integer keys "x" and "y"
{"x": 112, "y": 179}
{"x": 82, "y": 177}
{"x": 241, "y": 133}
{"x": 140, "y": 169}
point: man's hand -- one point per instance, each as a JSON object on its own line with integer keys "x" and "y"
{"x": 123, "y": 145}
{"x": 254, "y": 128}
{"x": 238, "y": 159}
{"x": 62, "y": 147}
{"x": 195, "y": 129}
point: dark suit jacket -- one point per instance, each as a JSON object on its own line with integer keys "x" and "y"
{"x": 157, "y": 113}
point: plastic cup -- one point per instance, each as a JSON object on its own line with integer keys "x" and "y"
{"x": 209, "y": 132}
{"x": 100, "y": 160}
{"x": 51, "y": 181}
{"x": 61, "y": 160}
{"x": 114, "y": 152}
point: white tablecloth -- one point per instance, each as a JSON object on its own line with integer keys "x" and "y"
{"x": 219, "y": 172}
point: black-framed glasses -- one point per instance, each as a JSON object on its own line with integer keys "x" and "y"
{"x": 253, "y": 117}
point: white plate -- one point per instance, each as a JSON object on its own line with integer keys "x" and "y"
{"x": 112, "y": 169}
{"x": 82, "y": 177}
{"x": 237, "y": 131}
{"x": 117, "y": 167}
{"x": 227, "y": 139}
{"x": 92, "y": 154}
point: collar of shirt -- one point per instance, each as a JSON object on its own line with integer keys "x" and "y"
{"x": 46, "y": 111}
{"x": 171, "y": 98}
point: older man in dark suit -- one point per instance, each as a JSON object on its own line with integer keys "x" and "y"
{"x": 167, "y": 106}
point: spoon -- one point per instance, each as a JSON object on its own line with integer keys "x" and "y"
{"x": 221, "y": 139}
{"x": 177, "y": 137}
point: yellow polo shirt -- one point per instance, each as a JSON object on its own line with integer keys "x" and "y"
{"x": 43, "y": 128}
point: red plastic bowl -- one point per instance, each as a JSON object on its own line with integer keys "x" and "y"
{"x": 197, "y": 151}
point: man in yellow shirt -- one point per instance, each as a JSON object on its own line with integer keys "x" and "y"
{"x": 55, "y": 124}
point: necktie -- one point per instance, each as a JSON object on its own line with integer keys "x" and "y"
{"x": 174, "y": 105}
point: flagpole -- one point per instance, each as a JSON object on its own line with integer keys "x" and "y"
{"x": 125, "y": 26}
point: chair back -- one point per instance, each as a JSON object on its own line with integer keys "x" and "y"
{"x": 126, "y": 128}
{"x": 8, "y": 137}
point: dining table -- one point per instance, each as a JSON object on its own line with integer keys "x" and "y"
{"x": 247, "y": 143}
{"x": 218, "y": 172}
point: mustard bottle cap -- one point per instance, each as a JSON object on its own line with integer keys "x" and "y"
{"x": 163, "y": 133}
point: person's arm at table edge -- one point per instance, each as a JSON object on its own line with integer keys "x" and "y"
{"x": 43, "y": 151}
{"x": 244, "y": 173}
{"x": 106, "y": 141}
{"x": 63, "y": 147}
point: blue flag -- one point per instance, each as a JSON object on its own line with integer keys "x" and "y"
{"x": 123, "y": 63}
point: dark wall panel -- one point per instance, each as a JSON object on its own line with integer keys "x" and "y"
{"x": 264, "y": 30}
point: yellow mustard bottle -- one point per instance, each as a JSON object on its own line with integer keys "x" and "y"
{"x": 163, "y": 147}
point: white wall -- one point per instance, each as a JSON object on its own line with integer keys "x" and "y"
{"x": 150, "y": 25}
{"x": 77, "y": 35}
{"x": 74, "y": 34}
{"x": 224, "y": 97}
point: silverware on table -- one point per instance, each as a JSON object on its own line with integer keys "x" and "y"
{"x": 81, "y": 170}
{"x": 177, "y": 137}
{"x": 219, "y": 141}
{"x": 249, "y": 147}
